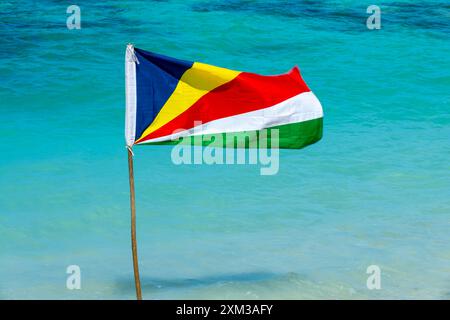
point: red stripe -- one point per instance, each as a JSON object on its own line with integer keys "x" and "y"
{"x": 247, "y": 92}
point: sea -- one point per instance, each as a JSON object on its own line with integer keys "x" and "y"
{"x": 371, "y": 199}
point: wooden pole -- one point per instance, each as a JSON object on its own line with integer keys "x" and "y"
{"x": 137, "y": 281}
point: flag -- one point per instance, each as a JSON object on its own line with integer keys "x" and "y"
{"x": 169, "y": 99}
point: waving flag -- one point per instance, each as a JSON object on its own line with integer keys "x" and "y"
{"x": 169, "y": 98}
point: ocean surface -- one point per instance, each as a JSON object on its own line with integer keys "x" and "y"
{"x": 374, "y": 191}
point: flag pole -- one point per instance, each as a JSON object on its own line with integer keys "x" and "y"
{"x": 137, "y": 281}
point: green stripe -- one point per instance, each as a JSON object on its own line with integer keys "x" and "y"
{"x": 290, "y": 136}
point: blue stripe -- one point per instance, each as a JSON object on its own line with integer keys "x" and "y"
{"x": 156, "y": 79}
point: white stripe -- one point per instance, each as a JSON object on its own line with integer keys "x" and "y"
{"x": 130, "y": 94}
{"x": 300, "y": 108}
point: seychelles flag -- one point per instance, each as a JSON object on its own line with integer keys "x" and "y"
{"x": 168, "y": 99}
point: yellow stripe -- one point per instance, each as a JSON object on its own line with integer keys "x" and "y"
{"x": 194, "y": 84}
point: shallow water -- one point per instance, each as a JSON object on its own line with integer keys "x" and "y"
{"x": 374, "y": 190}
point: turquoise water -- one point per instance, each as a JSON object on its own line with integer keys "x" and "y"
{"x": 374, "y": 190}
